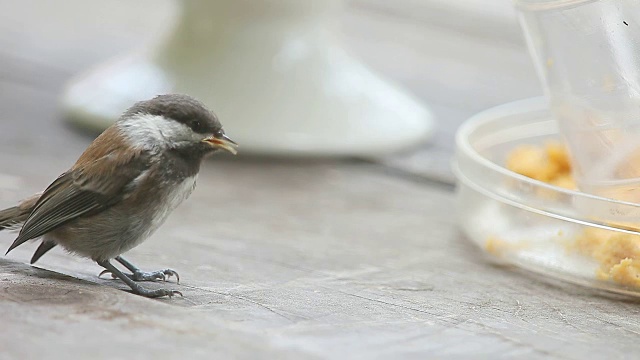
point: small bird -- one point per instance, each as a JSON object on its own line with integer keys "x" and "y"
{"x": 123, "y": 187}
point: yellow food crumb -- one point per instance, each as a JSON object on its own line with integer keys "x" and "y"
{"x": 498, "y": 247}
{"x": 532, "y": 162}
{"x": 550, "y": 164}
{"x": 626, "y": 272}
{"x": 557, "y": 154}
{"x": 495, "y": 246}
{"x": 564, "y": 181}
{"x": 602, "y": 275}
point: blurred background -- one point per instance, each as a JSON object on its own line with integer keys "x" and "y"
{"x": 456, "y": 57}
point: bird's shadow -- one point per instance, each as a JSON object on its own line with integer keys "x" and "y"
{"x": 23, "y": 283}
{"x": 8, "y": 266}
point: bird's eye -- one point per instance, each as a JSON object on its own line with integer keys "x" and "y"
{"x": 196, "y": 125}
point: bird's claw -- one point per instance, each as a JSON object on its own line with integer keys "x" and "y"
{"x": 147, "y": 276}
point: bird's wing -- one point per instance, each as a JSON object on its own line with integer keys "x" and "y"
{"x": 83, "y": 191}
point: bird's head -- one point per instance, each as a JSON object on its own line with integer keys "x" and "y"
{"x": 175, "y": 121}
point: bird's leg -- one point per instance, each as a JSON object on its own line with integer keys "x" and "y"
{"x": 137, "y": 289}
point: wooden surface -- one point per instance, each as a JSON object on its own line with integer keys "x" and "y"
{"x": 307, "y": 259}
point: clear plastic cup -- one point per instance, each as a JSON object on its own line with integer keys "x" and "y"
{"x": 587, "y": 53}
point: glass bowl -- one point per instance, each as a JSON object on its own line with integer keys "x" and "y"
{"x": 532, "y": 224}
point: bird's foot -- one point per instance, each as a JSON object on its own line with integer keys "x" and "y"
{"x": 139, "y": 275}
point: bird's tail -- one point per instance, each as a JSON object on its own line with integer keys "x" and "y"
{"x": 13, "y": 217}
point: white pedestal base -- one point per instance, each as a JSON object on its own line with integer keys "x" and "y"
{"x": 271, "y": 71}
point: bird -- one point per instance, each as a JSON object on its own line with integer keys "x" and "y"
{"x": 123, "y": 187}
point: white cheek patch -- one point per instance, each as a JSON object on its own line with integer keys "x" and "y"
{"x": 155, "y": 131}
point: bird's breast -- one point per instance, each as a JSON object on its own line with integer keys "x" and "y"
{"x": 171, "y": 198}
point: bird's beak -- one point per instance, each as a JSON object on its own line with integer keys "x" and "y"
{"x": 222, "y": 142}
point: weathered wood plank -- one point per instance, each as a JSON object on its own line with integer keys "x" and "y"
{"x": 339, "y": 259}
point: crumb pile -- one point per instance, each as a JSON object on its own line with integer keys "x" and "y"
{"x": 617, "y": 253}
